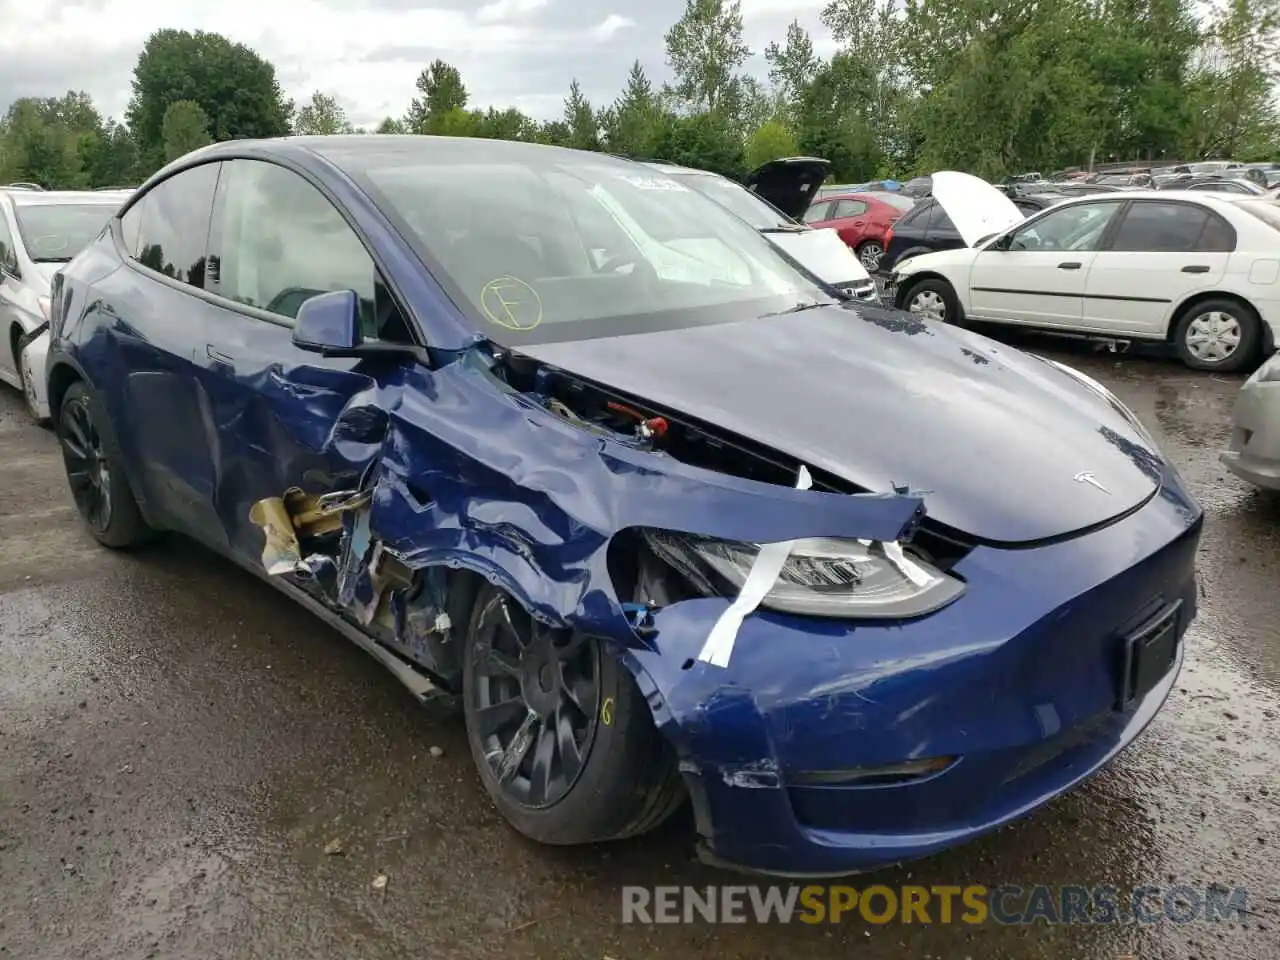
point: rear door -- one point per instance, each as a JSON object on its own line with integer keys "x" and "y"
{"x": 849, "y": 219}
{"x": 1038, "y": 276}
{"x": 1161, "y": 252}
{"x": 152, "y": 395}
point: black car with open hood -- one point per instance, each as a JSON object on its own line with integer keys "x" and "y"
{"x": 790, "y": 183}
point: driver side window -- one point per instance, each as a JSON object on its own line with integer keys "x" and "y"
{"x": 283, "y": 242}
{"x": 1076, "y": 228}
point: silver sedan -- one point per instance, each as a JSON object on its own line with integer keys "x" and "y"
{"x": 1254, "y": 452}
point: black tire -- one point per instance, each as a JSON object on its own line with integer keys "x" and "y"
{"x": 865, "y": 251}
{"x": 950, "y": 305}
{"x": 627, "y": 783}
{"x": 1246, "y": 323}
{"x": 88, "y": 446}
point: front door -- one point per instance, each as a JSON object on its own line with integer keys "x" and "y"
{"x": 1036, "y": 274}
{"x": 288, "y": 419}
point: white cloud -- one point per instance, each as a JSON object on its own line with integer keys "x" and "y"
{"x": 504, "y": 9}
{"x": 610, "y": 25}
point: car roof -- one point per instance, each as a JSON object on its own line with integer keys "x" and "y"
{"x": 47, "y": 198}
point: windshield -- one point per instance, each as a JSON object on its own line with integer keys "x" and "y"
{"x": 737, "y": 199}
{"x": 54, "y": 233}
{"x": 561, "y": 248}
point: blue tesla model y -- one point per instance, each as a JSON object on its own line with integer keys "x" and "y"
{"x": 568, "y": 447}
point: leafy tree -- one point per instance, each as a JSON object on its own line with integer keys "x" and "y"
{"x": 40, "y": 148}
{"x": 793, "y": 65}
{"x": 509, "y": 124}
{"x": 770, "y": 141}
{"x": 185, "y": 128}
{"x": 580, "y": 118}
{"x": 703, "y": 140}
{"x": 632, "y": 123}
{"x": 554, "y": 132}
{"x": 391, "y": 125}
{"x": 442, "y": 92}
{"x": 235, "y": 88}
{"x": 323, "y": 116}
{"x": 705, "y": 51}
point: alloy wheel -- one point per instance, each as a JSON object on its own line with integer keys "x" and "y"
{"x": 88, "y": 471}
{"x": 1214, "y": 336}
{"x": 536, "y": 697}
{"x": 928, "y": 303}
{"x": 870, "y": 255}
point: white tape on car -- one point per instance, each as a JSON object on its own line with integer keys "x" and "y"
{"x": 760, "y": 580}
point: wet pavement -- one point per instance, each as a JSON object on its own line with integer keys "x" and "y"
{"x": 179, "y": 743}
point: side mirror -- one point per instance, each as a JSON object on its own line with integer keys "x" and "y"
{"x": 329, "y": 322}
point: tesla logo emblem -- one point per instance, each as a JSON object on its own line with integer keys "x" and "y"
{"x": 1084, "y": 476}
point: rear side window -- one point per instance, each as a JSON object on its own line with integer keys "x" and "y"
{"x": 174, "y": 226}
{"x": 849, "y": 208}
{"x": 817, "y": 212}
{"x": 1172, "y": 228}
{"x": 939, "y": 222}
{"x": 918, "y": 214}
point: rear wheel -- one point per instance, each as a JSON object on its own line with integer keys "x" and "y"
{"x": 95, "y": 471}
{"x": 869, "y": 254}
{"x": 1219, "y": 334}
{"x": 564, "y": 741}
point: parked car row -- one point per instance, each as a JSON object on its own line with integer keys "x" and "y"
{"x": 575, "y": 445}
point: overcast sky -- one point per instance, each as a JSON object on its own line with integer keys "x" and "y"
{"x": 368, "y": 52}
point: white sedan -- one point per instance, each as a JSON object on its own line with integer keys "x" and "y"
{"x": 1201, "y": 270}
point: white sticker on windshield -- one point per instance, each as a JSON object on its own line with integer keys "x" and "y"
{"x": 656, "y": 183}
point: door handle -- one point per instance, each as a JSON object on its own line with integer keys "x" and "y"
{"x": 1070, "y": 265}
{"x": 217, "y": 356}
{"x": 1196, "y": 268}
{"x": 859, "y": 223}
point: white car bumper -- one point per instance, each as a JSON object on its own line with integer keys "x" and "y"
{"x": 33, "y": 375}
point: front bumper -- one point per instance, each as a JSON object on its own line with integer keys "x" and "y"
{"x": 1018, "y": 680}
{"x": 33, "y": 359}
{"x": 1253, "y": 454}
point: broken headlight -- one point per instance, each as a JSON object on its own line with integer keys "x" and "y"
{"x": 821, "y": 577}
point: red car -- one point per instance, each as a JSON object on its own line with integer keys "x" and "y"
{"x": 861, "y": 220}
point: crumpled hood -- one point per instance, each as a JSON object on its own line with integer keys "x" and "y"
{"x": 975, "y": 207}
{"x": 1003, "y": 446}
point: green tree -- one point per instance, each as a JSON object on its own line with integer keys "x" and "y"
{"x": 40, "y": 148}
{"x": 235, "y": 88}
{"x": 703, "y": 140}
{"x": 793, "y": 65}
{"x": 509, "y": 124}
{"x": 705, "y": 51}
{"x": 441, "y": 92}
{"x": 580, "y": 118}
{"x": 391, "y": 125}
{"x": 323, "y": 116}
{"x": 631, "y": 125}
{"x": 770, "y": 141}
{"x": 185, "y": 127}
{"x": 554, "y": 132}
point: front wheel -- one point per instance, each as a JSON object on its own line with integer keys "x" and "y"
{"x": 933, "y": 299}
{"x": 564, "y": 741}
{"x": 1218, "y": 334}
{"x": 95, "y": 471}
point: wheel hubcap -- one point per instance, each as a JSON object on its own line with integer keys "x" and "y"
{"x": 1213, "y": 336}
{"x": 535, "y": 692}
{"x": 870, "y": 255}
{"x": 88, "y": 472}
{"x": 928, "y": 303}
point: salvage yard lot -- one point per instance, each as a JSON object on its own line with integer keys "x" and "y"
{"x": 179, "y": 743}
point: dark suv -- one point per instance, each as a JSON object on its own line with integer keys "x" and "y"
{"x": 926, "y": 228}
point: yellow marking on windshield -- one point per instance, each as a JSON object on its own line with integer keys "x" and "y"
{"x": 510, "y": 302}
